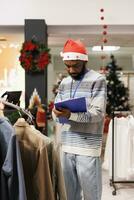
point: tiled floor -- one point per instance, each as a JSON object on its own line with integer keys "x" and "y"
{"x": 124, "y": 191}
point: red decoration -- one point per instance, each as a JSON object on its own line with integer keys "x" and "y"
{"x": 43, "y": 60}
{"x": 103, "y": 69}
{"x": 50, "y": 106}
{"x": 106, "y": 124}
{"x": 104, "y": 33}
{"x": 105, "y": 26}
{"x": 34, "y": 56}
{"x": 41, "y": 117}
{"x": 102, "y": 18}
{"x": 101, "y": 10}
{"x": 105, "y": 40}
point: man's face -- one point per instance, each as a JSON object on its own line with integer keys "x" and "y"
{"x": 75, "y": 68}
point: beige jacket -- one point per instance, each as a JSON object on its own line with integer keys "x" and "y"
{"x": 41, "y": 164}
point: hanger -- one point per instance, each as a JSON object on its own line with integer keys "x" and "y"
{"x": 21, "y": 110}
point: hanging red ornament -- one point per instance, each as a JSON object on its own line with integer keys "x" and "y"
{"x": 105, "y": 40}
{"x": 104, "y": 33}
{"x": 101, "y": 10}
{"x": 102, "y": 18}
{"x": 105, "y": 26}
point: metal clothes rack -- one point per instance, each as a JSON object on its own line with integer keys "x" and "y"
{"x": 112, "y": 180}
{"x": 21, "y": 110}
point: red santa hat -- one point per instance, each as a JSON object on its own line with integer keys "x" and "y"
{"x": 74, "y": 50}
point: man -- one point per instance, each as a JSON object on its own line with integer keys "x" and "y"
{"x": 82, "y": 136}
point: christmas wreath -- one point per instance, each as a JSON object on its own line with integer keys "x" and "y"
{"x": 34, "y": 56}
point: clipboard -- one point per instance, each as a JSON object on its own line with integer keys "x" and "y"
{"x": 74, "y": 105}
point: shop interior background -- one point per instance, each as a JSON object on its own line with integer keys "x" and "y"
{"x": 12, "y": 76}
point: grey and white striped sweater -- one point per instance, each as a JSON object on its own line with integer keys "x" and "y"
{"x": 83, "y": 134}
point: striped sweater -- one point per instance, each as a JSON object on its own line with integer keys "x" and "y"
{"x": 83, "y": 134}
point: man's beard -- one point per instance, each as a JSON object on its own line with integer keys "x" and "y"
{"x": 78, "y": 76}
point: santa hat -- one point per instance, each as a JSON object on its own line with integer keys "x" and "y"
{"x": 74, "y": 50}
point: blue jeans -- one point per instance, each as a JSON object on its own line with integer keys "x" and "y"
{"x": 82, "y": 175}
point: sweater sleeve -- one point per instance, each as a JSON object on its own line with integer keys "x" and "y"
{"x": 96, "y": 104}
{"x": 58, "y": 98}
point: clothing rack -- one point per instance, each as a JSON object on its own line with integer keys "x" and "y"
{"x": 21, "y": 110}
{"x": 112, "y": 180}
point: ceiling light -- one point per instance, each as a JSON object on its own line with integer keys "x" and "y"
{"x": 105, "y": 48}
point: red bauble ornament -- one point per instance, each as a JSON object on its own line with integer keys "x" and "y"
{"x": 102, "y": 18}
{"x": 104, "y": 33}
{"x": 105, "y": 26}
{"x": 105, "y": 40}
{"x": 101, "y": 10}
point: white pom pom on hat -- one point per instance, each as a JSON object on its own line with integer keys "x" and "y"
{"x": 74, "y": 50}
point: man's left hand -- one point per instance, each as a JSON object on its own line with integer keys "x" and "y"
{"x": 63, "y": 112}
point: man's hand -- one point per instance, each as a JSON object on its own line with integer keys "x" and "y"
{"x": 62, "y": 112}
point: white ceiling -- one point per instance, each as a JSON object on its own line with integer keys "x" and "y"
{"x": 119, "y": 35}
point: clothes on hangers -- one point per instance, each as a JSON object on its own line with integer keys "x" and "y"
{"x": 21, "y": 110}
{"x": 11, "y": 172}
{"x": 41, "y": 164}
{"x": 34, "y": 156}
{"x": 124, "y": 148}
{"x": 130, "y": 149}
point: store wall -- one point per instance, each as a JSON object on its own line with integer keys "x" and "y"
{"x": 12, "y": 75}
{"x": 66, "y": 12}
{"x": 95, "y": 62}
